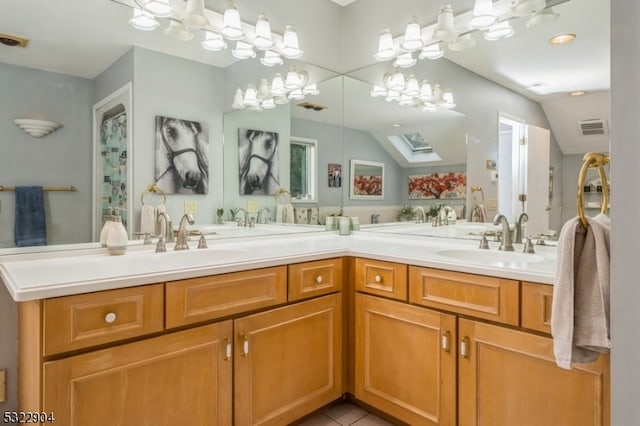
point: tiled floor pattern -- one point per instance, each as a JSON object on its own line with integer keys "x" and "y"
{"x": 345, "y": 414}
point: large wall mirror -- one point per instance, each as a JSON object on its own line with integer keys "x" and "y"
{"x": 344, "y": 119}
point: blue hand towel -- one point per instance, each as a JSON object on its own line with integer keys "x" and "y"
{"x": 30, "y": 225}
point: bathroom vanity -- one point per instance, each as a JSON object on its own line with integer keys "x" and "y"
{"x": 268, "y": 330}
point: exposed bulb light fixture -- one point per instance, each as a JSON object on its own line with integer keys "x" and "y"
{"x": 498, "y": 31}
{"x": 446, "y": 27}
{"x": 218, "y": 28}
{"x": 456, "y": 32}
{"x": 410, "y": 92}
{"x": 143, "y": 21}
{"x": 544, "y": 17}
{"x": 279, "y": 92}
{"x": 483, "y": 15}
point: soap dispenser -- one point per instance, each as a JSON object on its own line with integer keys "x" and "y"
{"x": 117, "y": 238}
{"x": 108, "y": 224}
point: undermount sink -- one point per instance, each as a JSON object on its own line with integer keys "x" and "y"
{"x": 493, "y": 257}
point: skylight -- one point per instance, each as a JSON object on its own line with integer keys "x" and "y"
{"x": 417, "y": 143}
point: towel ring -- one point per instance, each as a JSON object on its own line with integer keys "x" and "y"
{"x": 592, "y": 160}
{"x": 153, "y": 189}
{"x": 474, "y": 190}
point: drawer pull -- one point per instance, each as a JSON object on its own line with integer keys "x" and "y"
{"x": 464, "y": 347}
{"x": 319, "y": 279}
{"x": 446, "y": 335}
{"x": 378, "y": 279}
{"x": 110, "y": 318}
{"x": 245, "y": 344}
{"x": 227, "y": 355}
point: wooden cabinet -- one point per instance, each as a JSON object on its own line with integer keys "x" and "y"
{"x": 84, "y": 320}
{"x": 406, "y": 361}
{"x": 490, "y": 298}
{"x": 381, "y": 278}
{"x": 288, "y": 361}
{"x": 207, "y": 298}
{"x": 435, "y": 364}
{"x": 316, "y": 278}
{"x": 155, "y": 355}
{"x": 509, "y": 377}
{"x": 179, "y": 378}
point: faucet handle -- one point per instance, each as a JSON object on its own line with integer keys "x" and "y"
{"x": 202, "y": 242}
{"x": 528, "y": 246}
{"x": 161, "y": 246}
{"x": 484, "y": 244}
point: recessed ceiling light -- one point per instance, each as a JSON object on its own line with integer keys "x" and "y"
{"x": 396, "y": 125}
{"x": 577, "y": 93}
{"x": 562, "y": 38}
{"x": 537, "y": 86}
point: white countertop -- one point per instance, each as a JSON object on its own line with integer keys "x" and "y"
{"x": 52, "y": 274}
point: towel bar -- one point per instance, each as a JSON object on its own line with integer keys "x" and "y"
{"x": 44, "y": 188}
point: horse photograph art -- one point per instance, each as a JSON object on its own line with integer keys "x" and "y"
{"x": 182, "y": 162}
{"x": 258, "y": 162}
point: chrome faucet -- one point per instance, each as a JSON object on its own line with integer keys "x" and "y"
{"x": 262, "y": 210}
{"x": 181, "y": 240}
{"x": 505, "y": 243}
{"x": 519, "y": 228}
{"x": 246, "y": 217}
{"x": 421, "y": 216}
{"x": 168, "y": 227}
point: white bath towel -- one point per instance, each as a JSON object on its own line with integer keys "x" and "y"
{"x": 148, "y": 220}
{"x": 580, "y": 309}
{"x": 284, "y": 213}
{"x": 478, "y": 213}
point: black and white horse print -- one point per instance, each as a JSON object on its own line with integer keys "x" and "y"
{"x": 258, "y": 162}
{"x": 182, "y": 162}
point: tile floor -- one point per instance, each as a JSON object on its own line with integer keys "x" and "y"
{"x": 344, "y": 414}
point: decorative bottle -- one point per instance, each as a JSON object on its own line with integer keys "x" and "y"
{"x": 117, "y": 238}
{"x": 108, "y": 224}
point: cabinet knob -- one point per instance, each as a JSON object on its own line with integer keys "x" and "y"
{"x": 110, "y": 318}
{"x": 227, "y": 354}
{"x": 319, "y": 279}
{"x": 378, "y": 279}
{"x": 245, "y": 344}
{"x": 464, "y": 347}
{"x": 446, "y": 335}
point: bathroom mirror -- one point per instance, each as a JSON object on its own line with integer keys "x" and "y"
{"x": 68, "y": 100}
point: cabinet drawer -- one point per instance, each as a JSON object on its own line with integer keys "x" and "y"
{"x": 311, "y": 279}
{"x": 84, "y": 320}
{"x": 536, "y": 306}
{"x": 381, "y": 278}
{"x": 201, "y": 299}
{"x": 479, "y": 296}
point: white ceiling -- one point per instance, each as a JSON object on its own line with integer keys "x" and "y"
{"x": 62, "y": 42}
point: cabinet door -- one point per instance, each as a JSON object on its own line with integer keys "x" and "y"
{"x": 405, "y": 361}
{"x": 182, "y": 378}
{"x": 288, "y": 361}
{"x": 509, "y": 377}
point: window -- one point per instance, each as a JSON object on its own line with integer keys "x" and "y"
{"x": 417, "y": 142}
{"x": 303, "y": 171}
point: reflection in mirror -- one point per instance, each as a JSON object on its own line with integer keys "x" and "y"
{"x": 303, "y": 170}
{"x": 366, "y": 180}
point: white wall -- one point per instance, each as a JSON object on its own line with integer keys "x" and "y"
{"x": 625, "y": 205}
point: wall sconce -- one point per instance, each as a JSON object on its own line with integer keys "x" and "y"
{"x": 37, "y": 128}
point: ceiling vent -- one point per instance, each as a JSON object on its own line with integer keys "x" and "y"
{"x": 312, "y": 106}
{"x": 593, "y": 126}
{"x": 13, "y": 40}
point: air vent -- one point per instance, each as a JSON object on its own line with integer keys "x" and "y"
{"x": 593, "y": 126}
{"x": 13, "y": 40}
{"x": 312, "y": 106}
